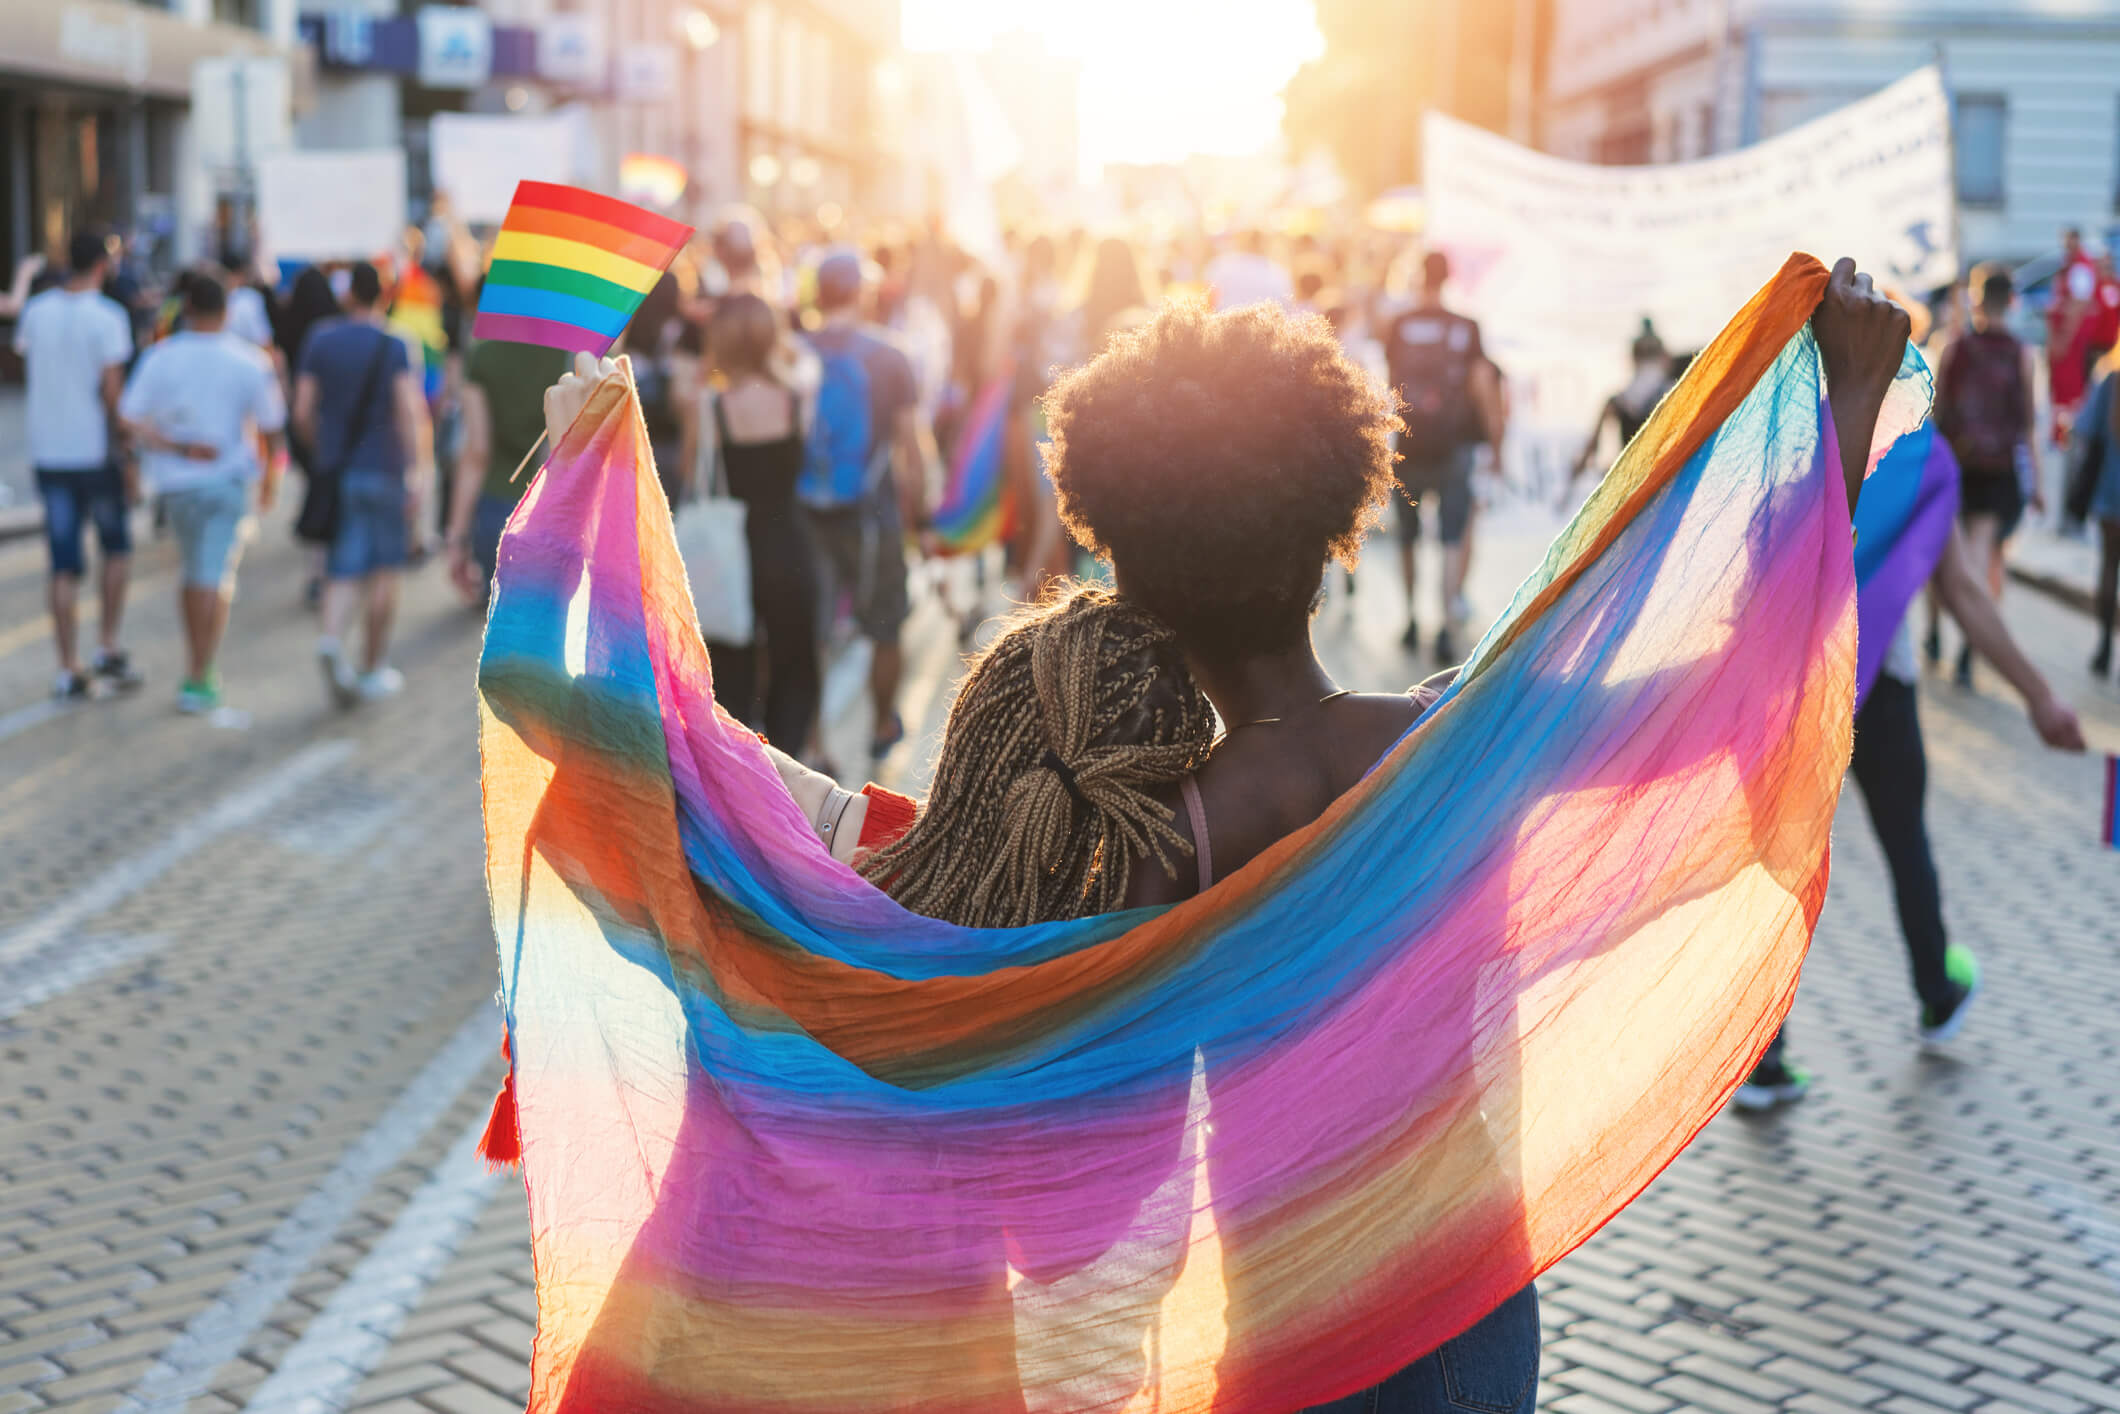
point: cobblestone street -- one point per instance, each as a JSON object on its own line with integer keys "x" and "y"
{"x": 247, "y": 1042}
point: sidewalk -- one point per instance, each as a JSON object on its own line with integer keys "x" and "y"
{"x": 19, "y": 514}
{"x": 2063, "y": 566}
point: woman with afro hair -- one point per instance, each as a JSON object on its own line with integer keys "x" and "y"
{"x": 1221, "y": 463}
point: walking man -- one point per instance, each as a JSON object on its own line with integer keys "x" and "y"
{"x": 358, "y": 404}
{"x": 74, "y": 343}
{"x": 865, "y": 475}
{"x": 1450, "y": 400}
{"x": 205, "y": 408}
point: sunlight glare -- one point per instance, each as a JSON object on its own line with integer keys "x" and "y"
{"x": 1160, "y": 78}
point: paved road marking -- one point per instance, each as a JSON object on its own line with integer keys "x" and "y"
{"x": 35, "y": 715}
{"x": 40, "y": 979}
{"x": 2094, "y": 1233}
{"x": 349, "y": 1337}
{"x": 218, "y": 1334}
{"x": 50, "y": 931}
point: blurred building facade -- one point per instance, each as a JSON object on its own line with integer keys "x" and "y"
{"x": 2035, "y": 91}
{"x": 807, "y": 115}
{"x": 1387, "y": 63}
{"x": 95, "y": 115}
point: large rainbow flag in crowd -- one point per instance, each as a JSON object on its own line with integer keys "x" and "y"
{"x": 790, "y": 1148}
{"x": 1905, "y": 515}
{"x": 973, "y": 511}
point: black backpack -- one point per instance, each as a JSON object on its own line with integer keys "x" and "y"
{"x": 1431, "y": 353}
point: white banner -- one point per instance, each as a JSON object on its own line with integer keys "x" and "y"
{"x": 332, "y": 205}
{"x": 478, "y": 158}
{"x": 1561, "y": 261}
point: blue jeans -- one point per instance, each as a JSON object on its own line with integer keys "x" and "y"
{"x": 1490, "y": 1369}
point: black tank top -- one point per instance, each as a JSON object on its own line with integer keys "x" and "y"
{"x": 762, "y": 474}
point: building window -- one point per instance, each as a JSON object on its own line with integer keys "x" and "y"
{"x": 1982, "y": 123}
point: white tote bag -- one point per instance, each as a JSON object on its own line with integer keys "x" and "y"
{"x": 710, "y": 537}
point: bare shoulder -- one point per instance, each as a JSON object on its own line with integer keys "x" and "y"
{"x": 757, "y": 411}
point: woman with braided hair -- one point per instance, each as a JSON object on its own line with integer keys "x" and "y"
{"x": 1064, "y": 731}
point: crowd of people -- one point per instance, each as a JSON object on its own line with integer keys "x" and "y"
{"x": 825, "y": 385}
{"x": 829, "y": 387}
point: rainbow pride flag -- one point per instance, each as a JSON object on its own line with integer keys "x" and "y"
{"x": 973, "y": 512}
{"x": 570, "y": 267}
{"x": 790, "y": 1149}
{"x": 416, "y": 309}
{"x": 2109, "y": 822}
{"x": 1901, "y": 524}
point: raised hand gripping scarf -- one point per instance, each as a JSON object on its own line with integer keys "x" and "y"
{"x": 791, "y": 1148}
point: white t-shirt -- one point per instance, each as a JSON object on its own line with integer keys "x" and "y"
{"x": 66, "y": 339}
{"x": 206, "y": 388}
{"x": 1899, "y": 660}
{"x": 247, "y": 316}
{"x": 1239, "y": 278}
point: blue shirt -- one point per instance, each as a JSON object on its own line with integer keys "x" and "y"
{"x": 337, "y": 354}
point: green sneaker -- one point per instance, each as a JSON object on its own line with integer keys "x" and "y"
{"x": 1772, "y": 1085}
{"x": 1940, "y": 1024}
{"x": 196, "y": 697}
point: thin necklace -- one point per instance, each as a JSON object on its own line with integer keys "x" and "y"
{"x": 1269, "y": 721}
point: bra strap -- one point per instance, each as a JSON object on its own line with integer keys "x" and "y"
{"x": 1203, "y": 854}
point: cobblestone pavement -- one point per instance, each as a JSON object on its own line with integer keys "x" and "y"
{"x": 246, "y": 1037}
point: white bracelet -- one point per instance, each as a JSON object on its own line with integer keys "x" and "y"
{"x": 823, "y": 828}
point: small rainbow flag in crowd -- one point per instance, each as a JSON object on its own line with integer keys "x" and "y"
{"x": 417, "y": 310}
{"x": 973, "y": 513}
{"x": 650, "y": 180}
{"x": 2109, "y": 823}
{"x": 571, "y": 266}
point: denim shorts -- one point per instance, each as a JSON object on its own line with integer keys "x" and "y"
{"x": 1442, "y": 483}
{"x": 210, "y": 522}
{"x": 372, "y": 533}
{"x": 72, "y": 501}
{"x": 488, "y": 519}
{"x": 1490, "y": 1369}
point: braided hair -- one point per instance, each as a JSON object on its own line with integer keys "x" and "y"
{"x": 1040, "y": 800}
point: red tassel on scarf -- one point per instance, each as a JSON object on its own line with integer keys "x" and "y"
{"x": 501, "y": 1146}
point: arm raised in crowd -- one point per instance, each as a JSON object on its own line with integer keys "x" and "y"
{"x": 1862, "y": 338}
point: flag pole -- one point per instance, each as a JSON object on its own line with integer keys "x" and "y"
{"x": 526, "y": 458}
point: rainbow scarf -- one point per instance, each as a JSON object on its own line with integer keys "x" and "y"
{"x": 791, "y": 1148}
{"x": 1901, "y": 524}
{"x": 973, "y": 512}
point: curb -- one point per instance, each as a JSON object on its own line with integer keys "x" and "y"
{"x": 21, "y": 524}
{"x": 2062, "y": 591}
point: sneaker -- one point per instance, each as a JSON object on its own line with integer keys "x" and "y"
{"x": 380, "y": 683}
{"x": 1940, "y": 1024}
{"x": 196, "y": 698}
{"x": 1772, "y": 1085}
{"x": 1964, "y": 674}
{"x": 115, "y": 671}
{"x": 2102, "y": 662}
{"x": 1932, "y": 646}
{"x": 71, "y": 686}
{"x": 1445, "y": 649}
{"x": 891, "y": 733}
{"x": 338, "y": 677}
{"x": 1410, "y": 640}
